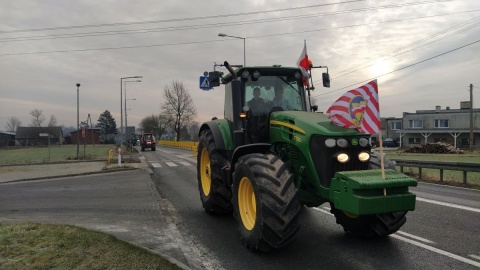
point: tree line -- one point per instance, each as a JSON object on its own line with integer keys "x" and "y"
{"x": 177, "y": 113}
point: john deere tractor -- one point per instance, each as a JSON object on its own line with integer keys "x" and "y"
{"x": 263, "y": 163}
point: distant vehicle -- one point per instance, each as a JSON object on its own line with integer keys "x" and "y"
{"x": 147, "y": 140}
{"x": 390, "y": 142}
{"x": 135, "y": 139}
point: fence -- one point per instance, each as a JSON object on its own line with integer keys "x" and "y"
{"x": 453, "y": 166}
{"x": 182, "y": 145}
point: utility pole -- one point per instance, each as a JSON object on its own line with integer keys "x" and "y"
{"x": 78, "y": 122}
{"x": 471, "y": 117}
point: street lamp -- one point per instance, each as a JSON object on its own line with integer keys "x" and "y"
{"x": 244, "y": 53}
{"x": 127, "y": 109}
{"x": 121, "y": 107}
{"x": 125, "y": 87}
{"x": 78, "y": 121}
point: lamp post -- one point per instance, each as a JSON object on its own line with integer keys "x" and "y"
{"x": 121, "y": 107}
{"x": 127, "y": 109}
{"x": 125, "y": 87}
{"x": 244, "y": 52}
{"x": 78, "y": 121}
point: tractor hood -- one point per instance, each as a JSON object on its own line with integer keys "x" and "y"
{"x": 308, "y": 123}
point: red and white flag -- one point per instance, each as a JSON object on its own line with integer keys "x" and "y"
{"x": 303, "y": 64}
{"x": 358, "y": 108}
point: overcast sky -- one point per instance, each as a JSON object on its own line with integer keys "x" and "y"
{"x": 40, "y": 67}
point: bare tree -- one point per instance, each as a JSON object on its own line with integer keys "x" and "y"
{"x": 157, "y": 124}
{"x": 53, "y": 121}
{"x": 178, "y": 105}
{"x": 38, "y": 118}
{"x": 12, "y": 124}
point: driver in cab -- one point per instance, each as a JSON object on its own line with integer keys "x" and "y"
{"x": 257, "y": 104}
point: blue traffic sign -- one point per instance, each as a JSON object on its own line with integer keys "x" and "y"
{"x": 205, "y": 83}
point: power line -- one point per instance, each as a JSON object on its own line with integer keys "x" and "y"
{"x": 182, "y": 19}
{"x": 144, "y": 31}
{"x": 209, "y": 41}
{"x": 114, "y": 48}
{"x": 400, "y": 52}
{"x": 411, "y": 65}
{"x": 356, "y": 25}
{"x": 201, "y": 26}
{"x": 192, "y": 27}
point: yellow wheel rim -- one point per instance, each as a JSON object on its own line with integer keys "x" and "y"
{"x": 247, "y": 205}
{"x": 205, "y": 172}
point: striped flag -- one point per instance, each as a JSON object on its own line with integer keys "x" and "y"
{"x": 358, "y": 109}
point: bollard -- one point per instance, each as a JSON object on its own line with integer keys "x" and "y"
{"x": 119, "y": 156}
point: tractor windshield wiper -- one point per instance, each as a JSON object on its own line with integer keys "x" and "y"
{"x": 289, "y": 84}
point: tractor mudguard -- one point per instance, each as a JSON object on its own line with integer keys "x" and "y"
{"x": 366, "y": 193}
{"x": 221, "y": 133}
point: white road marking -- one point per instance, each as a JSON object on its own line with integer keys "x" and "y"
{"x": 416, "y": 237}
{"x": 141, "y": 157}
{"x": 156, "y": 165}
{"x": 413, "y": 242}
{"x": 185, "y": 163}
{"x": 449, "y": 205}
{"x": 436, "y": 250}
{"x": 475, "y": 256}
{"x": 171, "y": 164}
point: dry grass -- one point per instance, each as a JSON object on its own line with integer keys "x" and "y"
{"x": 433, "y": 175}
{"x": 47, "y": 246}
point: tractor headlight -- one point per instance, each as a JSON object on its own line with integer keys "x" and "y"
{"x": 342, "y": 143}
{"x": 363, "y": 156}
{"x": 246, "y": 108}
{"x": 330, "y": 143}
{"x": 245, "y": 74}
{"x": 363, "y": 142}
{"x": 256, "y": 74}
{"x": 342, "y": 157}
{"x": 298, "y": 75}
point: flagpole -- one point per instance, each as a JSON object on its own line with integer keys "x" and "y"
{"x": 382, "y": 164}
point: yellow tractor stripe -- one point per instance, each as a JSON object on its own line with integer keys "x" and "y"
{"x": 279, "y": 123}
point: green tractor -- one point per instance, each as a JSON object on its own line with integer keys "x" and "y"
{"x": 266, "y": 159}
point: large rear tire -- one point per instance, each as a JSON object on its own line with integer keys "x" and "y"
{"x": 371, "y": 225}
{"x": 265, "y": 202}
{"x": 215, "y": 195}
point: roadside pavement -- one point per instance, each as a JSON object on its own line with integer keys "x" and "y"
{"x": 124, "y": 203}
{"x": 9, "y": 173}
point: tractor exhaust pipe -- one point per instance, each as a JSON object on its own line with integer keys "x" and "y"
{"x": 230, "y": 69}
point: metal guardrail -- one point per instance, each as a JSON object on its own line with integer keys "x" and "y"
{"x": 182, "y": 145}
{"x": 441, "y": 165}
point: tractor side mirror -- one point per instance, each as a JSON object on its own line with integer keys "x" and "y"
{"x": 326, "y": 79}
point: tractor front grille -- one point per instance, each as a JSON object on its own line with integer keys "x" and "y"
{"x": 325, "y": 158}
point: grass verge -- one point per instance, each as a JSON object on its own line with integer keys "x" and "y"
{"x": 18, "y": 155}
{"x": 433, "y": 175}
{"x": 50, "y": 246}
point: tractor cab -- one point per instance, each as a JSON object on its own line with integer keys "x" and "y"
{"x": 256, "y": 92}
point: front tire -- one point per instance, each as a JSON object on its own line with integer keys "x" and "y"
{"x": 215, "y": 195}
{"x": 265, "y": 202}
{"x": 379, "y": 225}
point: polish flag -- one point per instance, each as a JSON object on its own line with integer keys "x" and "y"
{"x": 303, "y": 64}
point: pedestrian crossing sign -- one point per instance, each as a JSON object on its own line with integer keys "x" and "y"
{"x": 205, "y": 83}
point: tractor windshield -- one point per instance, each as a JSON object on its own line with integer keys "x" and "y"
{"x": 274, "y": 91}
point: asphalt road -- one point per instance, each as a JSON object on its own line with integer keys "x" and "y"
{"x": 166, "y": 215}
{"x": 442, "y": 233}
